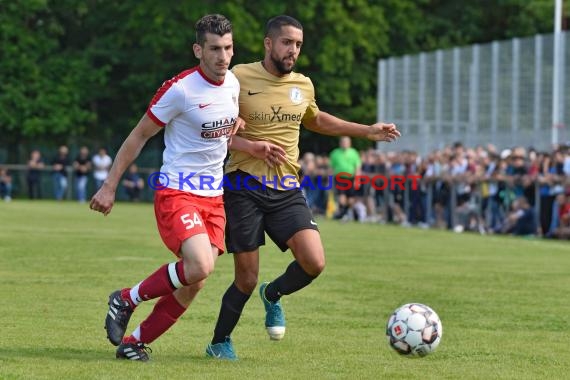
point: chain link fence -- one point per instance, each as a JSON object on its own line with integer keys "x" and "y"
{"x": 499, "y": 93}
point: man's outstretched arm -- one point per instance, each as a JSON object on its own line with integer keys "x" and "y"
{"x": 103, "y": 200}
{"x": 327, "y": 124}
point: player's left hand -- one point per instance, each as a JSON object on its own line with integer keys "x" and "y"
{"x": 238, "y": 125}
{"x": 383, "y": 132}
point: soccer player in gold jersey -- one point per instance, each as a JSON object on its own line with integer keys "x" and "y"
{"x": 260, "y": 196}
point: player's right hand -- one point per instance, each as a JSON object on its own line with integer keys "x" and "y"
{"x": 103, "y": 200}
{"x": 383, "y": 132}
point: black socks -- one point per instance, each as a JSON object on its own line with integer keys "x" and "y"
{"x": 233, "y": 302}
{"x": 294, "y": 278}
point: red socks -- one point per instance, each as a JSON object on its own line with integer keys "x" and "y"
{"x": 165, "y": 313}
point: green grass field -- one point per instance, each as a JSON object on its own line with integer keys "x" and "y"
{"x": 504, "y": 302}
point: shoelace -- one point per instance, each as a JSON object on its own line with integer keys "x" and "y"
{"x": 146, "y": 349}
{"x": 123, "y": 312}
{"x": 228, "y": 349}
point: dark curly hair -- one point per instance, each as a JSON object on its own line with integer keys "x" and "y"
{"x": 215, "y": 24}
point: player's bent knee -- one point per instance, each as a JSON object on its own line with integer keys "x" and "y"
{"x": 196, "y": 287}
{"x": 246, "y": 283}
{"x": 316, "y": 268}
{"x": 198, "y": 270}
{"x": 202, "y": 272}
{"x": 320, "y": 267}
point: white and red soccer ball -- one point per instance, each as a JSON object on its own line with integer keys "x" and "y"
{"x": 414, "y": 330}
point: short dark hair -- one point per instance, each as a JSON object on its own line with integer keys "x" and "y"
{"x": 215, "y": 24}
{"x": 273, "y": 26}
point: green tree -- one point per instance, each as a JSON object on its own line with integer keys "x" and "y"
{"x": 44, "y": 91}
{"x": 84, "y": 71}
{"x": 450, "y": 23}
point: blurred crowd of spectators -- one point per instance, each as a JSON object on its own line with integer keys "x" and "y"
{"x": 518, "y": 191}
{"x": 75, "y": 177}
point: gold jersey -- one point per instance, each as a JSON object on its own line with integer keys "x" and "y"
{"x": 273, "y": 109}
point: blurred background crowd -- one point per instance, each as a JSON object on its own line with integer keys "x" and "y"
{"x": 61, "y": 176}
{"x": 518, "y": 191}
{"x": 482, "y": 189}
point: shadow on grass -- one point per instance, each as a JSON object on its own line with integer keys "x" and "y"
{"x": 66, "y": 354}
{"x": 59, "y": 353}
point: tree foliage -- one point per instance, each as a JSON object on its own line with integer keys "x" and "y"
{"x": 75, "y": 70}
{"x": 45, "y": 85}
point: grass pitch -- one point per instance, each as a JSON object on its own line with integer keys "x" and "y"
{"x": 503, "y": 302}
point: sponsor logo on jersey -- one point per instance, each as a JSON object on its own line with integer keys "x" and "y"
{"x": 296, "y": 95}
{"x": 217, "y": 128}
{"x": 275, "y": 115}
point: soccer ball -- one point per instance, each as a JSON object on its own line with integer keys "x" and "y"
{"x": 414, "y": 330}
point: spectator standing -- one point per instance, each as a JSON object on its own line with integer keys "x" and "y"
{"x": 82, "y": 167}
{"x": 5, "y": 185}
{"x": 101, "y": 165}
{"x": 396, "y": 204}
{"x": 566, "y": 164}
{"x": 34, "y": 176}
{"x": 313, "y": 190}
{"x": 346, "y": 160}
{"x": 550, "y": 178}
{"x": 60, "y": 163}
{"x": 561, "y": 226}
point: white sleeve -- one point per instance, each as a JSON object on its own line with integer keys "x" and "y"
{"x": 167, "y": 103}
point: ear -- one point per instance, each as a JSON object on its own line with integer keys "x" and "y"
{"x": 267, "y": 43}
{"x": 197, "y": 51}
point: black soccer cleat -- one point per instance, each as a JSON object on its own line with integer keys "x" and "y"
{"x": 133, "y": 351}
{"x": 117, "y": 319}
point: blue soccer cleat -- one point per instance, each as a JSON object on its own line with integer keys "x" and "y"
{"x": 274, "y": 317}
{"x": 222, "y": 351}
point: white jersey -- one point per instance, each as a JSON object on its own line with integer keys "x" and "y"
{"x": 198, "y": 115}
{"x": 102, "y": 165}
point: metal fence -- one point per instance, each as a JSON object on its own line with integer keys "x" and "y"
{"x": 498, "y": 93}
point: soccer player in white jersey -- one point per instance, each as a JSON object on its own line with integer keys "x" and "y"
{"x": 198, "y": 109}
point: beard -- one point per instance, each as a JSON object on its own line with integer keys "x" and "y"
{"x": 281, "y": 66}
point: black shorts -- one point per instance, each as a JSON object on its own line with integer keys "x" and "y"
{"x": 253, "y": 209}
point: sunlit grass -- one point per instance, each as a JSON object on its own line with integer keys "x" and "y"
{"x": 503, "y": 302}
